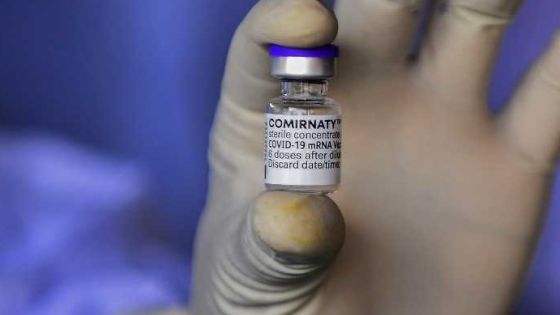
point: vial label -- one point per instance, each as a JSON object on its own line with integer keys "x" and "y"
{"x": 302, "y": 150}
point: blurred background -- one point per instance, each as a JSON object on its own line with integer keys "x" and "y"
{"x": 105, "y": 111}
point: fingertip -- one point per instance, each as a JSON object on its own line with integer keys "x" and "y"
{"x": 298, "y": 224}
{"x": 297, "y": 23}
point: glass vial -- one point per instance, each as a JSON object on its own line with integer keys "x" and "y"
{"x": 303, "y": 125}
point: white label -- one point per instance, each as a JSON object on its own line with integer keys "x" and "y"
{"x": 302, "y": 150}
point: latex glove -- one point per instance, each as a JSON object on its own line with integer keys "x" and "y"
{"x": 442, "y": 202}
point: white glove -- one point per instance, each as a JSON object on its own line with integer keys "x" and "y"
{"x": 442, "y": 202}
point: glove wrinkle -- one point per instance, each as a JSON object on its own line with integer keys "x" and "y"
{"x": 497, "y": 8}
{"x": 479, "y": 17}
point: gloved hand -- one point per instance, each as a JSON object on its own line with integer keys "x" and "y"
{"x": 442, "y": 201}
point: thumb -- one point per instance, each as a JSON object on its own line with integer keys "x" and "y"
{"x": 278, "y": 258}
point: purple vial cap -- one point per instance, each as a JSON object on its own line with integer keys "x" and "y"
{"x": 324, "y": 52}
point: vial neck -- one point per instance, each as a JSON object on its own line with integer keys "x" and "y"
{"x": 304, "y": 90}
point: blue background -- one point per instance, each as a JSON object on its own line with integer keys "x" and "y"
{"x": 121, "y": 93}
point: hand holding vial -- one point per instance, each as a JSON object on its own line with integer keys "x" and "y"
{"x": 441, "y": 201}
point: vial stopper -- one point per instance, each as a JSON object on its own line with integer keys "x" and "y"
{"x": 315, "y": 63}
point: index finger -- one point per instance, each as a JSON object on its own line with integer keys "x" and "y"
{"x": 294, "y": 23}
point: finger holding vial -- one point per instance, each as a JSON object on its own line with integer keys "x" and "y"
{"x": 267, "y": 255}
{"x": 278, "y": 256}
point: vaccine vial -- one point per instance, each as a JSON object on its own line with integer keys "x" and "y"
{"x": 303, "y": 125}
